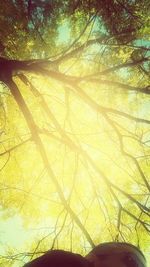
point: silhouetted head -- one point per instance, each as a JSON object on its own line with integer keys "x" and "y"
{"x": 59, "y": 258}
{"x": 116, "y": 254}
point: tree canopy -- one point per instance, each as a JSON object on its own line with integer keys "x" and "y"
{"x": 74, "y": 125}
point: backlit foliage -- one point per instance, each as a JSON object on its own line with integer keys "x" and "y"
{"x": 80, "y": 175}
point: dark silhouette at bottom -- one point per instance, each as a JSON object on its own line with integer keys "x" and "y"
{"x": 111, "y": 254}
{"x": 59, "y": 258}
{"x": 116, "y": 254}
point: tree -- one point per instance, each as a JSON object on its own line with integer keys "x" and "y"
{"x": 75, "y": 123}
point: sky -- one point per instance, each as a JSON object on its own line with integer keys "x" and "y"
{"x": 12, "y": 230}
